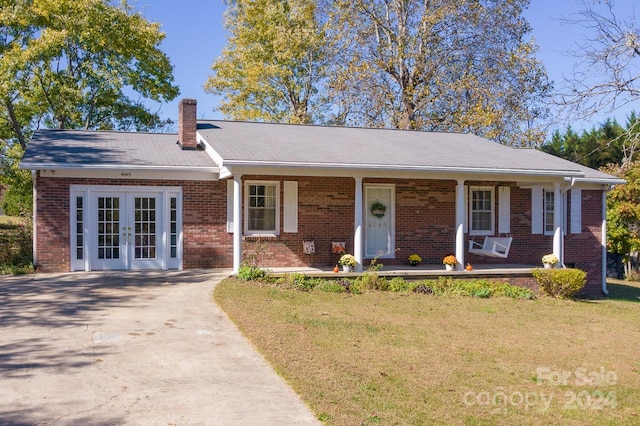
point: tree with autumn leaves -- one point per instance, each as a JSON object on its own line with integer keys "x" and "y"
{"x": 70, "y": 64}
{"x": 464, "y": 65}
{"x": 274, "y": 62}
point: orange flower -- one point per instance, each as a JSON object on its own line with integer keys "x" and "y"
{"x": 450, "y": 260}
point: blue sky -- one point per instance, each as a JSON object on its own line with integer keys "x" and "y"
{"x": 195, "y": 36}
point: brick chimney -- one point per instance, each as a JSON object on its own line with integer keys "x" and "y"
{"x": 187, "y": 124}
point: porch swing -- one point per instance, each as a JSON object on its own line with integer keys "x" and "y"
{"x": 492, "y": 247}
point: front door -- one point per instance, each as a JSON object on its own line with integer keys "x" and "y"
{"x": 379, "y": 217}
{"x": 128, "y": 230}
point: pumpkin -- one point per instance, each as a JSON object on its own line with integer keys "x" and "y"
{"x": 336, "y": 269}
{"x": 468, "y": 267}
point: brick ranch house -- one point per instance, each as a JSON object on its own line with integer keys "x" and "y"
{"x": 218, "y": 189}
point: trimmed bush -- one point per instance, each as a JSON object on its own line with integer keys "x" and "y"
{"x": 560, "y": 283}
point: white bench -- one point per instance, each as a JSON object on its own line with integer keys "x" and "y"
{"x": 492, "y": 247}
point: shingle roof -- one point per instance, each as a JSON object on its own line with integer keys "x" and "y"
{"x": 91, "y": 149}
{"x": 271, "y": 145}
{"x": 247, "y": 143}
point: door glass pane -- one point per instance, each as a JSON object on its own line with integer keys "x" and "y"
{"x": 108, "y": 228}
{"x": 79, "y": 228}
{"x": 174, "y": 227}
{"x": 145, "y": 239}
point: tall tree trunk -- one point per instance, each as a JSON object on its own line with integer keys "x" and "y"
{"x": 14, "y": 123}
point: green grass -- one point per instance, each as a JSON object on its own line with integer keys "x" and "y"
{"x": 404, "y": 358}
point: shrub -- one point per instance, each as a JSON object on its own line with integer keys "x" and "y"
{"x": 399, "y": 284}
{"x": 560, "y": 283}
{"x": 513, "y": 291}
{"x": 333, "y": 286}
{"x": 248, "y": 272}
{"x": 16, "y": 247}
{"x": 371, "y": 281}
{"x": 297, "y": 281}
{"x": 633, "y": 276}
{"x": 476, "y": 288}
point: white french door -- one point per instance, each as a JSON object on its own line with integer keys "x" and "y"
{"x": 126, "y": 228}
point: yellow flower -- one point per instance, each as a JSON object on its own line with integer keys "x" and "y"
{"x": 348, "y": 259}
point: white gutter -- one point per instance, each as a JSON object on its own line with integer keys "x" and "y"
{"x": 57, "y": 166}
{"x": 602, "y": 181}
{"x": 395, "y": 167}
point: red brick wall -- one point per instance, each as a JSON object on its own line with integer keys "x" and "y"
{"x": 206, "y": 244}
{"x": 325, "y": 213}
{"x": 52, "y": 225}
{"x": 425, "y": 224}
{"x": 584, "y": 250}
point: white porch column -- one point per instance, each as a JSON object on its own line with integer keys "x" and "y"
{"x": 357, "y": 233}
{"x": 557, "y": 223}
{"x": 460, "y": 224}
{"x": 237, "y": 222}
{"x": 604, "y": 242}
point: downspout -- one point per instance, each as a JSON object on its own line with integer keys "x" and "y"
{"x": 604, "y": 243}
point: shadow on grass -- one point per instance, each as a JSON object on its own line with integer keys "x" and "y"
{"x": 628, "y": 291}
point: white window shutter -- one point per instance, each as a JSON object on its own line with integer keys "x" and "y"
{"x": 537, "y": 213}
{"x": 465, "y": 221}
{"x": 230, "y": 205}
{"x": 504, "y": 210}
{"x": 290, "y": 206}
{"x": 576, "y": 211}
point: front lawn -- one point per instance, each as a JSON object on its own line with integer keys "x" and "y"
{"x": 407, "y": 358}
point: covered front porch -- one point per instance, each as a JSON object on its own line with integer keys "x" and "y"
{"x": 376, "y": 217}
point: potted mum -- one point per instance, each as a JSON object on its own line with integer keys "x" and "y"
{"x": 348, "y": 261}
{"x": 449, "y": 262}
{"x": 414, "y": 259}
{"x": 549, "y": 260}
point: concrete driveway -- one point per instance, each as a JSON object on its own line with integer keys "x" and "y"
{"x": 131, "y": 348}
